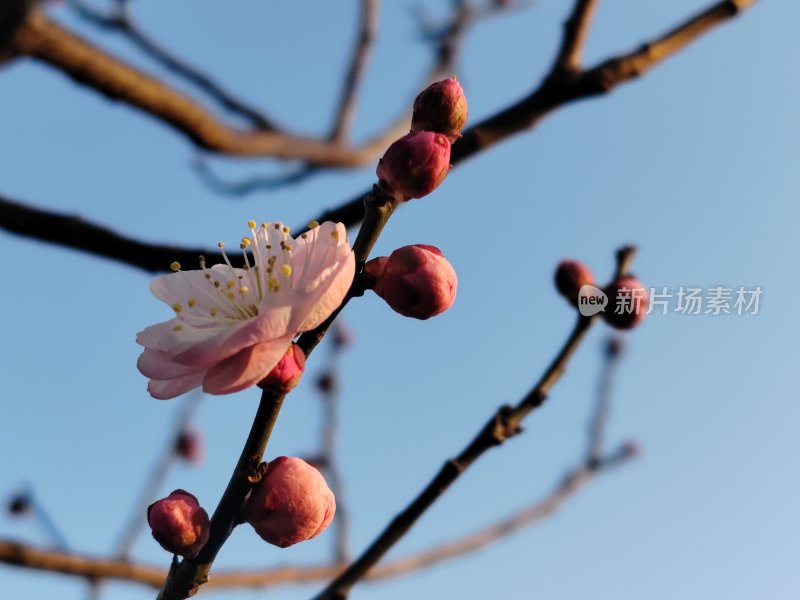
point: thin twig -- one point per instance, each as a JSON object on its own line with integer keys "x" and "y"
{"x": 23, "y": 555}
{"x": 362, "y": 52}
{"x": 503, "y": 425}
{"x": 122, "y": 23}
{"x": 244, "y": 187}
{"x": 552, "y": 93}
{"x": 612, "y": 353}
{"x": 155, "y": 479}
{"x": 576, "y": 30}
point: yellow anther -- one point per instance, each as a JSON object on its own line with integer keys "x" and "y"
{"x": 244, "y": 289}
{"x": 313, "y": 224}
{"x": 230, "y": 284}
{"x": 335, "y": 234}
{"x": 230, "y": 295}
{"x": 221, "y": 244}
{"x": 177, "y": 327}
{"x": 273, "y": 284}
{"x": 208, "y": 275}
{"x": 277, "y": 225}
{"x": 251, "y": 224}
{"x": 286, "y": 230}
{"x": 192, "y": 302}
{"x": 264, "y": 225}
{"x": 287, "y": 270}
{"x": 288, "y": 247}
{"x": 216, "y": 283}
{"x": 175, "y": 266}
{"x": 246, "y": 241}
{"x": 213, "y": 311}
{"x": 304, "y": 235}
{"x": 453, "y": 77}
{"x": 177, "y": 307}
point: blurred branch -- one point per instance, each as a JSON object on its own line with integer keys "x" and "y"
{"x": 158, "y": 473}
{"x": 23, "y": 555}
{"x": 597, "y": 425}
{"x": 503, "y": 425}
{"x": 576, "y": 30}
{"x": 247, "y": 186}
{"x": 121, "y": 22}
{"x": 556, "y": 90}
{"x": 367, "y": 32}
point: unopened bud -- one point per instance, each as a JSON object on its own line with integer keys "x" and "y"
{"x": 416, "y": 281}
{"x": 628, "y": 301}
{"x": 189, "y": 445}
{"x": 285, "y": 376}
{"x": 441, "y": 107}
{"x": 414, "y": 165}
{"x": 291, "y": 504}
{"x": 570, "y": 277}
{"x": 179, "y": 524}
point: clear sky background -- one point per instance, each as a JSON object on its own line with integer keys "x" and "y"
{"x": 696, "y": 163}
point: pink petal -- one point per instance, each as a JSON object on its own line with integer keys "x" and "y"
{"x": 172, "y": 388}
{"x": 157, "y": 364}
{"x": 246, "y": 368}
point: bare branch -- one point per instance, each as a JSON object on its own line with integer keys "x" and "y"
{"x": 122, "y": 23}
{"x": 367, "y": 32}
{"x": 576, "y": 30}
{"x": 245, "y": 187}
{"x": 93, "y": 568}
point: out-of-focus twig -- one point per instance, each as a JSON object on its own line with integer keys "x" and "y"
{"x": 244, "y": 187}
{"x": 158, "y": 473}
{"x": 122, "y": 22}
{"x": 362, "y": 52}
{"x": 612, "y": 353}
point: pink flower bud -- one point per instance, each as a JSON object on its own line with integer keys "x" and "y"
{"x": 628, "y": 302}
{"x": 416, "y": 281}
{"x": 189, "y": 445}
{"x": 285, "y": 376}
{"x": 179, "y": 524}
{"x": 291, "y": 504}
{"x": 414, "y": 165}
{"x": 441, "y": 107}
{"x": 571, "y": 276}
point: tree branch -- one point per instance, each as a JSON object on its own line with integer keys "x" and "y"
{"x": 367, "y": 33}
{"x": 576, "y": 30}
{"x": 122, "y": 23}
{"x": 555, "y": 91}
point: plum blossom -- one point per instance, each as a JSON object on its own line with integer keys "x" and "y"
{"x": 232, "y": 325}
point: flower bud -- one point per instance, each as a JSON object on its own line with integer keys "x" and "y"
{"x": 571, "y": 276}
{"x": 179, "y": 524}
{"x": 441, "y": 107}
{"x": 416, "y": 281}
{"x": 20, "y": 504}
{"x": 414, "y": 165}
{"x": 628, "y": 302}
{"x": 291, "y": 504}
{"x": 189, "y": 446}
{"x": 285, "y": 376}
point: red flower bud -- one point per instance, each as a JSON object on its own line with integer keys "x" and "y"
{"x": 285, "y": 376}
{"x": 189, "y": 445}
{"x": 179, "y": 524}
{"x": 441, "y": 107}
{"x": 414, "y": 165}
{"x": 291, "y": 504}
{"x": 571, "y": 276}
{"x": 628, "y": 301}
{"x": 416, "y": 281}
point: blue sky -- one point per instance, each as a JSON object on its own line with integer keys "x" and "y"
{"x": 696, "y": 163}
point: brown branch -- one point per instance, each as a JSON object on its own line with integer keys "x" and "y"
{"x": 555, "y": 91}
{"x": 93, "y": 568}
{"x": 503, "y": 425}
{"x": 122, "y": 23}
{"x": 367, "y": 33}
{"x": 576, "y": 30}
{"x": 45, "y": 40}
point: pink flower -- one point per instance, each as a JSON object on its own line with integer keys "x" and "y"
{"x": 232, "y": 325}
{"x": 414, "y": 165}
{"x": 179, "y": 524}
{"x": 291, "y": 504}
{"x": 416, "y": 281}
{"x": 441, "y": 107}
